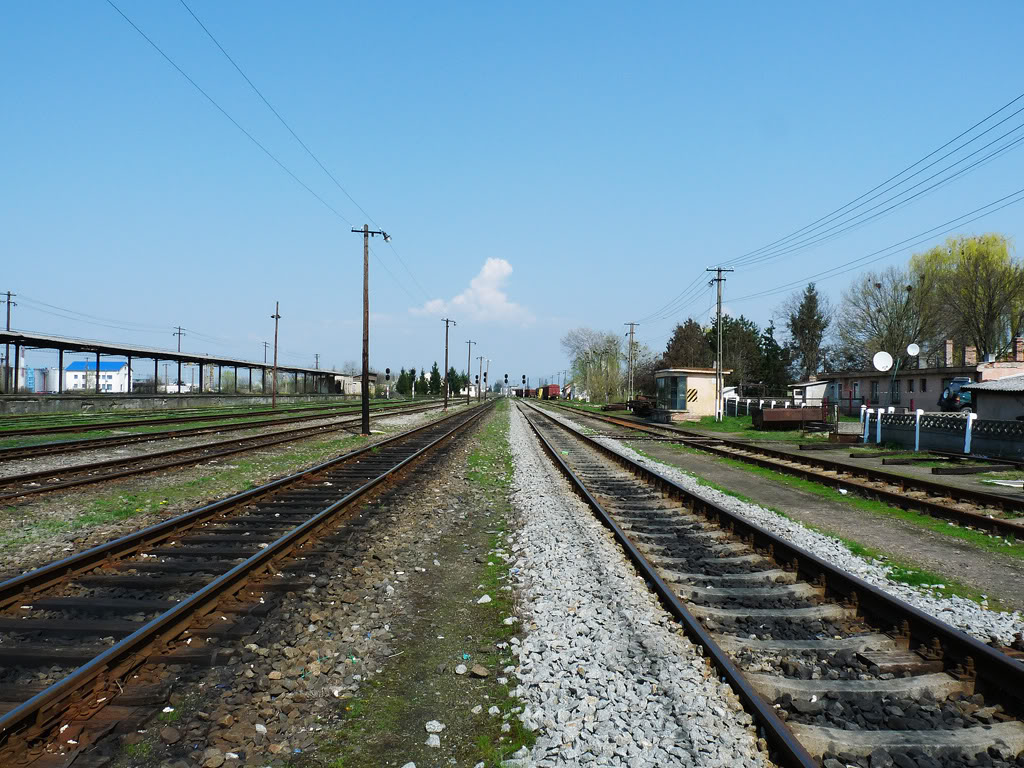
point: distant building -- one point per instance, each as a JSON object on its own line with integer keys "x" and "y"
{"x": 685, "y": 394}
{"x": 81, "y": 376}
{"x": 914, "y": 388}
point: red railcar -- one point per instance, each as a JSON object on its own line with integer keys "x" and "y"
{"x": 550, "y": 392}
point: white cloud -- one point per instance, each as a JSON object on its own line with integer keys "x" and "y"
{"x": 484, "y": 300}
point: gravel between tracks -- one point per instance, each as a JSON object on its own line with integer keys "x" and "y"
{"x": 605, "y": 674}
{"x": 959, "y": 612}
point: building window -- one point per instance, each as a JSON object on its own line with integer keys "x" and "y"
{"x": 910, "y": 385}
{"x": 672, "y": 393}
{"x": 895, "y": 392}
{"x": 874, "y": 391}
{"x": 924, "y": 385}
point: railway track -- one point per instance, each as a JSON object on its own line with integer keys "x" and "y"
{"x": 77, "y": 423}
{"x": 829, "y": 665}
{"x": 993, "y": 512}
{"x": 73, "y": 446}
{"x": 170, "y": 593}
{"x": 26, "y": 484}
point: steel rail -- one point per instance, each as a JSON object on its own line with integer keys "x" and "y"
{"x": 206, "y": 451}
{"x": 998, "y": 671}
{"x": 58, "y": 447}
{"x": 42, "y": 711}
{"x": 1001, "y": 526}
{"x": 777, "y": 733}
{"x": 92, "y": 425}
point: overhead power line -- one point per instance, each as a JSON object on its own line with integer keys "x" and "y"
{"x": 863, "y": 217}
{"x": 246, "y": 133}
{"x": 902, "y": 245}
{"x": 295, "y": 136}
{"x": 892, "y": 178}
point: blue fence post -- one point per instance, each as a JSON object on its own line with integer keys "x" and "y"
{"x": 878, "y": 427}
{"x": 917, "y": 429}
{"x": 867, "y": 423}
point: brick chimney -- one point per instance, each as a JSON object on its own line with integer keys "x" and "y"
{"x": 1018, "y": 349}
{"x": 948, "y": 361}
{"x": 970, "y": 355}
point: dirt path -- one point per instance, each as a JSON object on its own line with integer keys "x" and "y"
{"x": 992, "y": 574}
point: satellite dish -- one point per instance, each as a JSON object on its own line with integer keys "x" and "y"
{"x": 913, "y": 350}
{"x": 882, "y": 361}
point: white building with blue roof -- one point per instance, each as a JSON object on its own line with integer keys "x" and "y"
{"x": 81, "y": 375}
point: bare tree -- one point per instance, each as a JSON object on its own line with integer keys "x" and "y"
{"x": 887, "y": 311}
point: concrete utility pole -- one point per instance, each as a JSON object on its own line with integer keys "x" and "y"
{"x": 444, "y": 380}
{"x": 273, "y": 384}
{"x": 367, "y": 233}
{"x": 7, "y": 348}
{"x": 480, "y": 378}
{"x": 316, "y": 364}
{"x": 487, "y": 374}
{"x": 719, "y": 383}
{"x": 179, "y": 333}
{"x": 629, "y": 377}
{"x": 469, "y": 366}
{"x": 266, "y": 344}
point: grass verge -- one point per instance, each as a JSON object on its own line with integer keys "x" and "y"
{"x": 384, "y": 724}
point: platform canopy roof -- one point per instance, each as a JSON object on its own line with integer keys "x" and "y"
{"x": 71, "y": 344}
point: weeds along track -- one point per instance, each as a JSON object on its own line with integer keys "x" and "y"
{"x": 14, "y": 487}
{"x": 992, "y": 512}
{"x": 82, "y": 640}
{"x": 59, "y": 447}
{"x": 829, "y": 664}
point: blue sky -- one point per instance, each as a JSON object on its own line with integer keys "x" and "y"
{"x": 540, "y": 166}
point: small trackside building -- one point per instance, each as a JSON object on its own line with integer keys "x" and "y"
{"x": 1000, "y": 399}
{"x": 81, "y": 375}
{"x": 684, "y": 394}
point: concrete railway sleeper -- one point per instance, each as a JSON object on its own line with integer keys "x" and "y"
{"x": 963, "y": 506}
{"x": 45, "y": 481}
{"x": 169, "y": 593}
{"x": 832, "y": 667}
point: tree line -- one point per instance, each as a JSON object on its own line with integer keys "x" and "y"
{"x": 969, "y": 289}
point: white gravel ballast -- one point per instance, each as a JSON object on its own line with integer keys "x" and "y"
{"x": 606, "y": 677}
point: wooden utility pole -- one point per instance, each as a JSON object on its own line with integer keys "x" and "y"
{"x": 469, "y": 366}
{"x": 719, "y": 382}
{"x": 273, "y": 384}
{"x": 367, "y": 233}
{"x": 444, "y": 381}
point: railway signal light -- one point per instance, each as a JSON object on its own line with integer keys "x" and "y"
{"x": 524, "y": 378}
{"x": 506, "y": 378}
{"x": 387, "y": 374}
